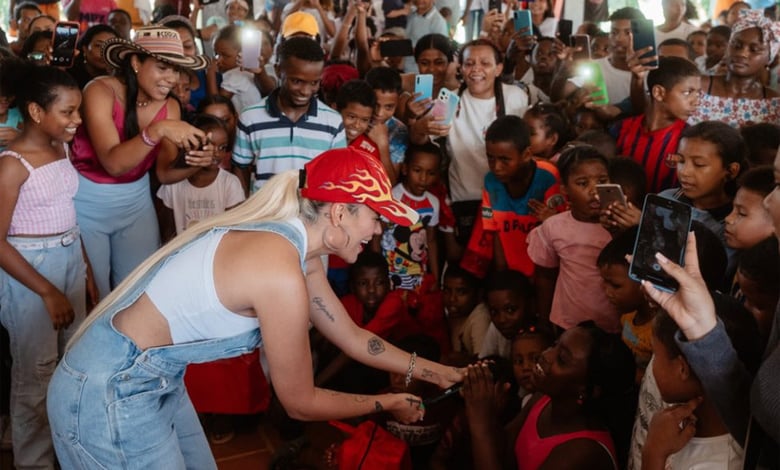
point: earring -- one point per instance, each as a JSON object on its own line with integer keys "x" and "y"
{"x": 337, "y": 241}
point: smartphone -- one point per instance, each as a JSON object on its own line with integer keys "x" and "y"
{"x": 663, "y": 228}
{"x": 581, "y": 42}
{"x": 396, "y": 48}
{"x": 494, "y": 5}
{"x": 522, "y": 20}
{"x": 423, "y": 84}
{"x": 63, "y": 43}
{"x": 565, "y": 30}
{"x": 591, "y": 74}
{"x": 251, "y": 42}
{"x": 181, "y": 157}
{"x": 643, "y": 33}
{"x": 609, "y": 193}
{"x": 445, "y": 106}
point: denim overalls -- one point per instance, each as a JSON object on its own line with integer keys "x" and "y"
{"x": 112, "y": 405}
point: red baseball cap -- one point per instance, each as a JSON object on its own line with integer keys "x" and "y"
{"x": 351, "y": 176}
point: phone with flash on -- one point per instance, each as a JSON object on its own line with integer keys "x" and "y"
{"x": 589, "y": 72}
{"x": 251, "y": 43}
{"x": 663, "y": 229}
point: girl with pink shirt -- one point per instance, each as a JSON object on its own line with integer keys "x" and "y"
{"x": 565, "y": 248}
{"x": 42, "y": 265}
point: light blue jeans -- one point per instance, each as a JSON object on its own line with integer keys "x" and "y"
{"x": 119, "y": 228}
{"x": 119, "y": 407}
{"x": 35, "y": 344}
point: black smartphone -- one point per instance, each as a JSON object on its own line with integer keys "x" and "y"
{"x": 565, "y": 30}
{"x": 643, "y": 33}
{"x": 63, "y": 42}
{"x": 663, "y": 229}
{"x": 581, "y": 45}
{"x": 396, "y": 48}
{"x": 181, "y": 157}
{"x": 494, "y": 5}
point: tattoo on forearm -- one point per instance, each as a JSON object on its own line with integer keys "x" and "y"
{"x": 427, "y": 374}
{"x": 319, "y": 304}
{"x": 375, "y": 346}
{"x": 378, "y": 407}
{"x": 361, "y": 398}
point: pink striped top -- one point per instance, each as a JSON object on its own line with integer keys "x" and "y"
{"x": 45, "y": 204}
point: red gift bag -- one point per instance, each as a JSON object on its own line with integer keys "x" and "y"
{"x": 369, "y": 447}
{"x": 229, "y": 386}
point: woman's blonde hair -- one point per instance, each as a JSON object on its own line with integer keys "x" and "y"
{"x": 277, "y": 200}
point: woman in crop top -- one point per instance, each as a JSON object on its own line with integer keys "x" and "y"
{"x": 574, "y": 421}
{"x": 208, "y": 294}
{"x": 42, "y": 266}
{"x": 130, "y": 126}
{"x": 740, "y": 98}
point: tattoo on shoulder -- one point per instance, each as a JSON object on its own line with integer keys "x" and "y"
{"x": 319, "y": 304}
{"x": 427, "y": 374}
{"x": 378, "y": 406}
{"x": 375, "y": 346}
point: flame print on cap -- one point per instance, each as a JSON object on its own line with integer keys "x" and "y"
{"x": 368, "y": 189}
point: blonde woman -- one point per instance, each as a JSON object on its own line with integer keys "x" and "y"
{"x": 117, "y": 397}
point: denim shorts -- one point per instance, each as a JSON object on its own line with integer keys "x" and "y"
{"x": 129, "y": 409}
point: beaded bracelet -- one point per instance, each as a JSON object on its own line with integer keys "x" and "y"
{"x": 147, "y": 139}
{"x": 409, "y": 372}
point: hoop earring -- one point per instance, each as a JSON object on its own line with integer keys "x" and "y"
{"x": 332, "y": 242}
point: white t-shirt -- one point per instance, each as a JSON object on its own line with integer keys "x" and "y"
{"x": 466, "y": 140}
{"x": 708, "y": 453}
{"x": 495, "y": 344}
{"x": 649, "y": 403}
{"x": 680, "y": 32}
{"x": 241, "y": 83}
{"x": 548, "y": 28}
{"x": 618, "y": 81}
{"x": 191, "y": 204}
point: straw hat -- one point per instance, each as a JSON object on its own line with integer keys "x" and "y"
{"x": 164, "y": 44}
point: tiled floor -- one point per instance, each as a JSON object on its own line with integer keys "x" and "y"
{"x": 253, "y": 448}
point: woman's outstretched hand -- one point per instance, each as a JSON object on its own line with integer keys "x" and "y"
{"x": 691, "y": 306}
{"x": 408, "y": 409}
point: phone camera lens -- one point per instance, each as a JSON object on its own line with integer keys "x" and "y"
{"x": 656, "y": 267}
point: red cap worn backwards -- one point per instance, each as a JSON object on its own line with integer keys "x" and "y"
{"x": 350, "y": 176}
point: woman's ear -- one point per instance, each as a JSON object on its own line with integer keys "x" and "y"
{"x": 732, "y": 171}
{"x": 35, "y": 110}
{"x": 336, "y": 213}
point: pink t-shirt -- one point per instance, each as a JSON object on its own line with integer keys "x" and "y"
{"x": 573, "y": 246}
{"x": 92, "y": 12}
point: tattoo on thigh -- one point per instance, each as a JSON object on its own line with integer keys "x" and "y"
{"x": 375, "y": 346}
{"x": 378, "y": 406}
{"x": 320, "y": 305}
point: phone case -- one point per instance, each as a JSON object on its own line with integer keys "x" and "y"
{"x": 643, "y": 32}
{"x": 423, "y": 84}
{"x": 63, "y": 40}
{"x": 445, "y": 106}
{"x": 251, "y": 42}
{"x": 591, "y": 74}
{"x": 564, "y": 30}
{"x": 522, "y": 20}
{"x": 663, "y": 228}
{"x": 609, "y": 193}
{"x": 581, "y": 41}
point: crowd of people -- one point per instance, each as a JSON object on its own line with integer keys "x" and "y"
{"x": 174, "y": 210}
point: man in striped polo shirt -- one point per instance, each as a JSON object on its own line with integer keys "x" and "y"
{"x": 290, "y": 126}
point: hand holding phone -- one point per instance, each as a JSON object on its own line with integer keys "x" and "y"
{"x": 609, "y": 193}
{"x": 423, "y": 84}
{"x": 591, "y": 75}
{"x": 445, "y": 106}
{"x": 251, "y": 43}
{"x": 663, "y": 229}
{"x": 64, "y": 38}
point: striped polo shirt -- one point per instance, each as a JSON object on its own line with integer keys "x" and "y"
{"x": 273, "y": 143}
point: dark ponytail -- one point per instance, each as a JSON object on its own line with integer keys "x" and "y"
{"x": 131, "y": 95}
